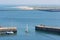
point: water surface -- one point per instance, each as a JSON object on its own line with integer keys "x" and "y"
{"x": 19, "y": 19}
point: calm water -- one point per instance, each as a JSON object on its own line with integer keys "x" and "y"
{"x": 32, "y": 18}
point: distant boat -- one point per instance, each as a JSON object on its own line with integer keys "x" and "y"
{"x": 10, "y": 32}
{"x": 26, "y": 30}
{"x": 2, "y": 33}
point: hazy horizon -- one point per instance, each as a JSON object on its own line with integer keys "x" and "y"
{"x": 29, "y": 2}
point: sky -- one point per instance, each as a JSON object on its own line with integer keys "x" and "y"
{"x": 29, "y": 2}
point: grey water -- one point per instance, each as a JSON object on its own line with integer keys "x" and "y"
{"x": 20, "y": 18}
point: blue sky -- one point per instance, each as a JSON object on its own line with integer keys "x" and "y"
{"x": 17, "y": 2}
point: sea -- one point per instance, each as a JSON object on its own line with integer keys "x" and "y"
{"x": 13, "y": 17}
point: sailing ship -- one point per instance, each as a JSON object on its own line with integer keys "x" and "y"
{"x": 26, "y": 30}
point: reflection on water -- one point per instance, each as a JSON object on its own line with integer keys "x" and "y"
{"x": 47, "y": 32}
{"x": 8, "y": 34}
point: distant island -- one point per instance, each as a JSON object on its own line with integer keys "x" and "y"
{"x": 40, "y": 8}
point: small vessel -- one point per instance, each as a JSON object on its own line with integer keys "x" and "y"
{"x": 26, "y": 30}
{"x": 10, "y": 32}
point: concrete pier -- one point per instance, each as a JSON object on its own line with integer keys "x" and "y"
{"x": 47, "y": 28}
{"x": 8, "y": 30}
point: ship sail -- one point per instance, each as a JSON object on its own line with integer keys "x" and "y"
{"x": 26, "y": 28}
